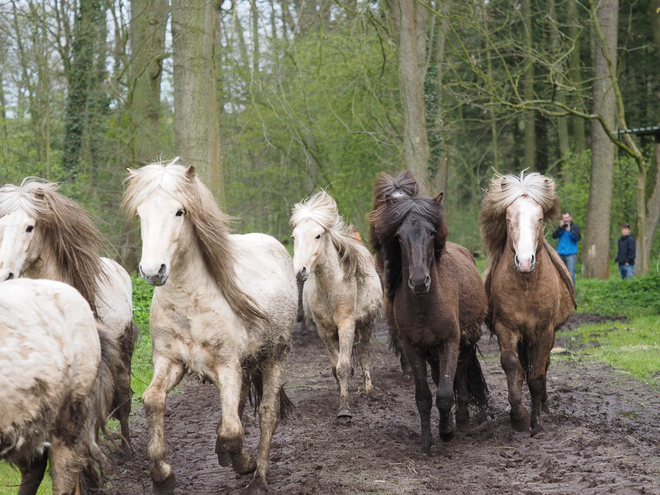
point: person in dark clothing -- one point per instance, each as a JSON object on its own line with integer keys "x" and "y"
{"x": 568, "y": 234}
{"x": 625, "y": 258}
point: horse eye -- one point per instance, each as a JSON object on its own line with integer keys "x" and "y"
{"x": 179, "y": 213}
{"x": 318, "y": 237}
{"x": 29, "y": 229}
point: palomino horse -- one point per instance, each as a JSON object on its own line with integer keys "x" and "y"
{"x": 56, "y": 385}
{"x": 438, "y": 305}
{"x": 46, "y": 235}
{"x": 386, "y": 189}
{"x": 530, "y": 292}
{"x": 342, "y": 292}
{"x": 223, "y": 309}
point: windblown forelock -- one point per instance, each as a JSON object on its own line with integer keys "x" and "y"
{"x": 503, "y": 191}
{"x": 322, "y": 209}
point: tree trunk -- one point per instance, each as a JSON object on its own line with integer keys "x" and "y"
{"x": 528, "y": 88}
{"x": 411, "y": 19}
{"x": 440, "y": 169}
{"x": 653, "y": 204}
{"x": 597, "y": 240}
{"x": 147, "y": 37}
{"x": 576, "y": 73}
{"x": 196, "y": 113}
{"x": 562, "y": 122}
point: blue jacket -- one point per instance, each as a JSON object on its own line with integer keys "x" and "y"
{"x": 567, "y": 239}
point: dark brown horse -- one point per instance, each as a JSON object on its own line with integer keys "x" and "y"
{"x": 530, "y": 292}
{"x": 386, "y": 189}
{"x": 438, "y": 305}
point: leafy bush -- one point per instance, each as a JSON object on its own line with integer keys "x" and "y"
{"x": 141, "y": 367}
{"x": 639, "y": 296}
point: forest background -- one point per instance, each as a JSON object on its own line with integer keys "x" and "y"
{"x": 273, "y": 99}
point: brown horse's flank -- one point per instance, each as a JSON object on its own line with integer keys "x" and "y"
{"x": 440, "y": 323}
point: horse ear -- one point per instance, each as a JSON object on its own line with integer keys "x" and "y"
{"x": 190, "y": 172}
{"x": 438, "y": 199}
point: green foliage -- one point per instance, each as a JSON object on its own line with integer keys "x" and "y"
{"x": 141, "y": 367}
{"x": 639, "y": 296}
{"x": 10, "y": 480}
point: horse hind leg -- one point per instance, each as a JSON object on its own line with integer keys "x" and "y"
{"x": 123, "y": 395}
{"x": 32, "y": 473}
{"x": 65, "y": 467}
{"x": 462, "y": 392}
{"x": 363, "y": 355}
{"x": 167, "y": 374}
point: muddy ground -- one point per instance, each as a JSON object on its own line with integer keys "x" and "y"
{"x": 603, "y": 435}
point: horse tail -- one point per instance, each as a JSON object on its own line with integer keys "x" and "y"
{"x": 256, "y": 392}
{"x": 476, "y": 383}
{"x": 92, "y": 477}
{"x": 523, "y": 356}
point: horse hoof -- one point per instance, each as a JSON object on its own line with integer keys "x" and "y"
{"x": 447, "y": 436}
{"x": 545, "y": 408}
{"x": 344, "y": 412}
{"x": 165, "y": 487}
{"x": 224, "y": 459}
{"x": 463, "y": 425}
{"x": 407, "y": 376}
{"x": 256, "y": 487}
{"x": 244, "y": 463}
{"x": 520, "y": 424}
{"x": 538, "y": 431}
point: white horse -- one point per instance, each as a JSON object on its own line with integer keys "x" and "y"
{"x": 223, "y": 309}
{"x": 55, "y": 385}
{"x": 44, "y": 234}
{"x": 342, "y": 292}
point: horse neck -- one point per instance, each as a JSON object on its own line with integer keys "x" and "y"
{"x": 189, "y": 271}
{"x": 46, "y": 265}
{"x": 328, "y": 269}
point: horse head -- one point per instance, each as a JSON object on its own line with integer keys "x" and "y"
{"x": 163, "y": 227}
{"x": 308, "y": 245}
{"x": 524, "y": 218}
{"x": 19, "y": 243}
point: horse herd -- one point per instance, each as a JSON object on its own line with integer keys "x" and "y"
{"x": 224, "y": 306}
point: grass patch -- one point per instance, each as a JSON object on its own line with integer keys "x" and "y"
{"x": 141, "y": 366}
{"x": 10, "y": 480}
{"x": 636, "y": 297}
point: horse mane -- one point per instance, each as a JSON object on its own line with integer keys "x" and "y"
{"x": 66, "y": 226}
{"x": 503, "y": 191}
{"x": 388, "y": 218}
{"x": 210, "y": 226}
{"x": 322, "y": 209}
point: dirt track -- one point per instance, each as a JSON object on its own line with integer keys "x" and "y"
{"x": 603, "y": 436}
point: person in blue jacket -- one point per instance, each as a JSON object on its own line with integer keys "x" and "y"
{"x": 568, "y": 234}
{"x": 625, "y": 258}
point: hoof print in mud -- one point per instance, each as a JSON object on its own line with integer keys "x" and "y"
{"x": 165, "y": 487}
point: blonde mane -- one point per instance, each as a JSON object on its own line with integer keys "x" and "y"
{"x": 66, "y": 226}
{"x": 503, "y": 191}
{"x": 322, "y": 209}
{"x": 210, "y": 226}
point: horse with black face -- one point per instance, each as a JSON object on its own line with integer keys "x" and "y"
{"x": 438, "y": 305}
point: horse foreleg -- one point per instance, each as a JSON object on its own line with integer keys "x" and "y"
{"x": 269, "y": 417}
{"x": 65, "y": 467}
{"x": 122, "y": 405}
{"x": 363, "y": 347}
{"x": 539, "y": 358}
{"x": 423, "y": 396}
{"x": 514, "y": 376}
{"x": 224, "y": 458}
{"x": 230, "y": 430}
{"x": 167, "y": 375}
{"x": 32, "y": 473}
{"x": 346, "y": 332}
{"x": 447, "y": 361}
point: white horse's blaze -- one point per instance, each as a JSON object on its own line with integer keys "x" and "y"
{"x": 307, "y": 247}
{"x": 525, "y": 225}
{"x": 161, "y": 223}
{"x": 17, "y": 232}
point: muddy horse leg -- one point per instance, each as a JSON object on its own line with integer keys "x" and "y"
{"x": 230, "y": 430}
{"x": 544, "y": 400}
{"x": 32, "y": 473}
{"x": 167, "y": 374}
{"x": 363, "y": 347}
{"x": 224, "y": 458}
{"x": 539, "y": 357}
{"x": 122, "y": 403}
{"x": 463, "y": 394}
{"x": 346, "y": 331}
{"x": 65, "y": 467}
{"x": 269, "y": 417}
{"x": 447, "y": 361}
{"x": 514, "y": 376}
{"x": 423, "y": 395}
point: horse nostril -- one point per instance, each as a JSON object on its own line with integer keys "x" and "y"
{"x": 10, "y": 276}
{"x": 162, "y": 270}
{"x": 427, "y": 280}
{"x": 533, "y": 260}
{"x": 517, "y": 260}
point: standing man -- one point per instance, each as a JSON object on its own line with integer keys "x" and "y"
{"x": 625, "y": 258}
{"x": 568, "y": 234}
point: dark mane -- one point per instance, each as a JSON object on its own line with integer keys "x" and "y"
{"x": 386, "y": 189}
{"x": 388, "y": 218}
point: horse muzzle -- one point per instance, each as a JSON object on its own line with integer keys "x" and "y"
{"x": 526, "y": 265}
{"x": 419, "y": 289}
{"x": 157, "y": 279}
{"x": 302, "y": 275}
